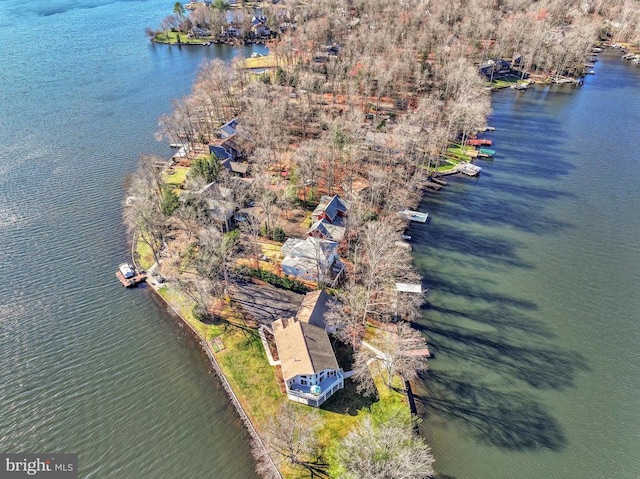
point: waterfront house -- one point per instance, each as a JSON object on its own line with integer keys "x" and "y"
{"x": 309, "y": 367}
{"x": 259, "y": 26}
{"x": 229, "y": 129}
{"x": 224, "y": 149}
{"x": 236, "y": 168}
{"x": 311, "y": 259}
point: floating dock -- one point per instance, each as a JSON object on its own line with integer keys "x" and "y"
{"x": 415, "y": 216}
{"x": 432, "y": 185}
{"x": 468, "y": 169}
{"x": 131, "y": 282}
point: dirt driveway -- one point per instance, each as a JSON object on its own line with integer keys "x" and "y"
{"x": 265, "y": 303}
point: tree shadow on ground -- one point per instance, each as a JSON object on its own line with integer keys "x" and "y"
{"x": 508, "y": 420}
{"x": 348, "y": 400}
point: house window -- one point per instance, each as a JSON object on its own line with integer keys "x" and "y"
{"x": 303, "y": 382}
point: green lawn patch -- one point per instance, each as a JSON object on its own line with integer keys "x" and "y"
{"x": 175, "y": 176}
{"x": 183, "y": 304}
{"x": 143, "y": 254}
{"x": 172, "y": 38}
{"x": 267, "y": 61}
{"x": 245, "y": 365}
{"x": 445, "y": 167}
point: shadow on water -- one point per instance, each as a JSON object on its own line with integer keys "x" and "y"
{"x": 512, "y": 356}
{"x": 471, "y": 244}
{"x": 507, "y": 420}
{"x": 514, "y": 211}
{"x": 499, "y": 316}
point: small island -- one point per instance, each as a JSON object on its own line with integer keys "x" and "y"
{"x": 277, "y": 230}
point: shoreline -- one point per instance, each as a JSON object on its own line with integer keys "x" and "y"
{"x": 255, "y": 441}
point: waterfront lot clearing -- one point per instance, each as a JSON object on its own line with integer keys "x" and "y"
{"x": 263, "y": 302}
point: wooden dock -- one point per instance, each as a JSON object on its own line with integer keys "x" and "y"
{"x": 440, "y": 181}
{"x": 432, "y": 185}
{"x": 131, "y": 282}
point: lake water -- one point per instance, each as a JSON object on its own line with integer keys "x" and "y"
{"x": 533, "y": 270}
{"x": 86, "y": 366}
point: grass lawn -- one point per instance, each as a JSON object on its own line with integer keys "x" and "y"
{"x": 144, "y": 255}
{"x": 184, "y": 305}
{"x": 247, "y": 369}
{"x": 446, "y": 167}
{"x": 270, "y": 250}
{"x": 175, "y": 176}
{"x": 268, "y": 61}
{"x": 172, "y": 37}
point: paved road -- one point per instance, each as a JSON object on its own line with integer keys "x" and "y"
{"x": 265, "y": 303}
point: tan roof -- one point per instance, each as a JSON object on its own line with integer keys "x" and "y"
{"x": 313, "y": 308}
{"x": 302, "y": 348}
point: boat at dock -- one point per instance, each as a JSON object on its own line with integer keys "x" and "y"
{"x": 479, "y": 142}
{"x": 128, "y": 275}
{"x": 415, "y": 216}
{"x": 486, "y": 153}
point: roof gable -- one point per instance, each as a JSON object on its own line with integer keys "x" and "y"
{"x": 330, "y": 206}
{"x": 303, "y": 348}
{"x": 313, "y": 308}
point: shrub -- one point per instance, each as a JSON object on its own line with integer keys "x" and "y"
{"x": 170, "y": 201}
{"x": 269, "y": 277}
{"x": 279, "y": 235}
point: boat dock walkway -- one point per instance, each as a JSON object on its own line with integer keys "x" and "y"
{"x": 432, "y": 185}
{"x": 440, "y": 181}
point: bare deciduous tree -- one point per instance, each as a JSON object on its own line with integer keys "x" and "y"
{"x": 400, "y": 352}
{"x": 382, "y": 448}
{"x": 291, "y": 434}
